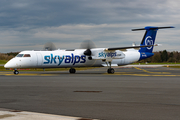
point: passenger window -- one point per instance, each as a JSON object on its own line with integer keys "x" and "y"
{"x": 27, "y": 55}
{"x": 19, "y": 55}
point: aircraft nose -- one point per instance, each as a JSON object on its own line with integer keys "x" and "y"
{"x": 7, "y": 65}
{"x": 10, "y": 64}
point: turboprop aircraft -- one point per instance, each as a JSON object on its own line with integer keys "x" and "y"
{"x": 88, "y": 56}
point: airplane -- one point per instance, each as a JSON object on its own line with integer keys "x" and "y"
{"x": 87, "y": 57}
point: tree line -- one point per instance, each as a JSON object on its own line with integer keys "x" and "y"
{"x": 161, "y": 56}
{"x": 8, "y": 56}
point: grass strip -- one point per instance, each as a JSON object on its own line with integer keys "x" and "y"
{"x": 174, "y": 66}
{"x": 3, "y": 61}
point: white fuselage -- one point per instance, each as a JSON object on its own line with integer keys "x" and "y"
{"x": 70, "y": 59}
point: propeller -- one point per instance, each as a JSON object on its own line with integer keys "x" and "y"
{"x": 49, "y": 46}
{"x": 88, "y": 45}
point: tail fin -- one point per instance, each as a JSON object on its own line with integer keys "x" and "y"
{"x": 149, "y": 37}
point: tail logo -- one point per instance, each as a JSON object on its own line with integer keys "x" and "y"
{"x": 149, "y": 41}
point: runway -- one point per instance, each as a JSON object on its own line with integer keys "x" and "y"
{"x": 131, "y": 93}
{"x": 130, "y": 70}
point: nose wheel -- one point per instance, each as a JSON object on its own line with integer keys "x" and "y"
{"x": 72, "y": 70}
{"x": 110, "y": 70}
{"x": 16, "y": 72}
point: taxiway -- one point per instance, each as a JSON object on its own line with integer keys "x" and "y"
{"x": 131, "y": 93}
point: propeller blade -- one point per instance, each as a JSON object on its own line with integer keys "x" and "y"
{"x": 87, "y": 44}
{"x": 49, "y": 46}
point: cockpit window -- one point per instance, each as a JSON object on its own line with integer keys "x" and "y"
{"x": 20, "y": 55}
{"x": 23, "y": 55}
{"x": 27, "y": 55}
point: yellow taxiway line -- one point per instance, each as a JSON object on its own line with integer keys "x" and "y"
{"x": 152, "y": 72}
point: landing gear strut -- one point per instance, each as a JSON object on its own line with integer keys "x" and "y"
{"x": 110, "y": 70}
{"x": 72, "y": 70}
{"x": 16, "y": 72}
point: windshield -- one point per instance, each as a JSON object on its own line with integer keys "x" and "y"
{"x": 23, "y": 55}
{"x": 19, "y": 55}
{"x": 27, "y": 55}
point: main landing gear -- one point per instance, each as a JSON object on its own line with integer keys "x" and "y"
{"x": 72, "y": 70}
{"x": 16, "y": 72}
{"x": 110, "y": 70}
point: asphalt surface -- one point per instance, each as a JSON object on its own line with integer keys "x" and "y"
{"x": 129, "y": 94}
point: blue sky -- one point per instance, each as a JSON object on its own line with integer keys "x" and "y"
{"x": 29, "y": 24}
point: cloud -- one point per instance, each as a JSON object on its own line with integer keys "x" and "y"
{"x": 107, "y": 23}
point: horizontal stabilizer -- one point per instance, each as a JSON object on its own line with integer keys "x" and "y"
{"x": 152, "y": 28}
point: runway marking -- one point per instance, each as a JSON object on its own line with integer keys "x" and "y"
{"x": 47, "y": 75}
{"x": 152, "y": 72}
{"x": 166, "y": 74}
{"x": 25, "y": 74}
{"x": 89, "y": 91}
{"x": 130, "y": 73}
{"x": 140, "y": 74}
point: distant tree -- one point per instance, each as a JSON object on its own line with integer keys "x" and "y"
{"x": 164, "y": 56}
{"x": 157, "y": 57}
{"x": 7, "y": 56}
{"x": 171, "y": 57}
{"x": 171, "y": 54}
{"x": 12, "y": 53}
{"x": 176, "y": 56}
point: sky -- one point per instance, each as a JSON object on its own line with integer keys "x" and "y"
{"x": 29, "y": 24}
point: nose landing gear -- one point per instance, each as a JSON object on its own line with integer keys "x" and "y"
{"x": 110, "y": 70}
{"x": 16, "y": 72}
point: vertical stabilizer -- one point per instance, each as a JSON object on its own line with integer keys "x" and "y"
{"x": 149, "y": 37}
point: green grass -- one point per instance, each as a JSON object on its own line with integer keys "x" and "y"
{"x": 3, "y": 61}
{"x": 174, "y": 66}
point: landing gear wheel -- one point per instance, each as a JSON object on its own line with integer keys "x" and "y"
{"x": 72, "y": 70}
{"x": 16, "y": 72}
{"x": 110, "y": 70}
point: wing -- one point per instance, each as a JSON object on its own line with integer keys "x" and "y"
{"x": 125, "y": 48}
